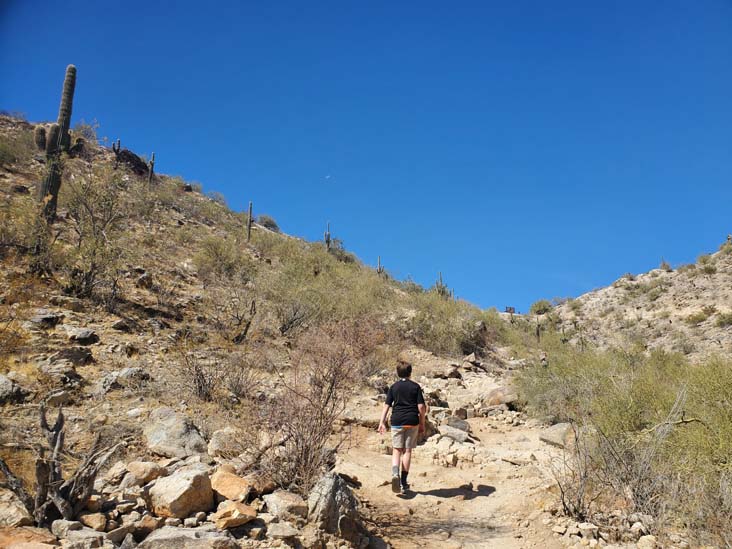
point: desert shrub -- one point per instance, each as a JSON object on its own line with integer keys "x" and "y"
{"x": 659, "y": 432}
{"x": 688, "y": 268}
{"x": 301, "y": 417}
{"x": 704, "y": 259}
{"x": 442, "y": 325}
{"x": 338, "y": 250}
{"x": 16, "y": 149}
{"x": 200, "y": 372}
{"x": 217, "y": 197}
{"x": 665, "y": 266}
{"x": 575, "y": 306}
{"x": 724, "y": 320}
{"x": 21, "y": 226}
{"x": 726, "y": 247}
{"x": 219, "y": 258}
{"x": 268, "y": 222}
{"x": 540, "y": 307}
{"x": 230, "y": 306}
{"x": 709, "y": 269}
{"x": 87, "y": 131}
{"x": 243, "y": 375}
{"x": 628, "y": 276}
{"x": 697, "y": 318}
{"x": 92, "y": 264}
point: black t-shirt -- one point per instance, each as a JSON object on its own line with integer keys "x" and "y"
{"x": 403, "y": 397}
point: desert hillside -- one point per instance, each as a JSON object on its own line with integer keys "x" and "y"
{"x": 687, "y": 309}
{"x": 176, "y": 374}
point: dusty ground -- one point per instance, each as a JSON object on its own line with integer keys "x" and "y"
{"x": 494, "y": 504}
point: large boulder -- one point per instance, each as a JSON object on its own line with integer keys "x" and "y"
{"x": 285, "y": 504}
{"x": 171, "y": 434}
{"x": 333, "y": 507}
{"x": 171, "y": 537}
{"x": 12, "y": 511}
{"x": 185, "y": 492}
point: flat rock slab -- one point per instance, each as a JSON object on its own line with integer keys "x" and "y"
{"x": 171, "y": 537}
{"x": 26, "y": 534}
{"x": 78, "y": 356}
{"x": 281, "y": 530}
{"x": 453, "y": 433}
{"x": 557, "y": 435}
{"x": 82, "y": 336}
{"x": 46, "y": 319}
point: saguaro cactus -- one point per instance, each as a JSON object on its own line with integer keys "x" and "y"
{"x": 64, "y": 110}
{"x": 379, "y": 266}
{"x": 151, "y": 171}
{"x": 441, "y": 288}
{"x": 48, "y": 194}
{"x": 326, "y": 236}
{"x": 249, "y": 222}
{"x": 57, "y": 139}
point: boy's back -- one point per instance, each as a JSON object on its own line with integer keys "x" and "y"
{"x": 404, "y": 396}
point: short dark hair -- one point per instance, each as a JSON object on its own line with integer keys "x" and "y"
{"x": 404, "y": 370}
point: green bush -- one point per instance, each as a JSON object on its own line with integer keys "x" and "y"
{"x": 219, "y": 258}
{"x": 688, "y": 268}
{"x": 724, "y": 320}
{"x": 659, "y": 431}
{"x": 268, "y": 222}
{"x": 697, "y": 318}
{"x": 540, "y": 307}
{"x": 16, "y": 149}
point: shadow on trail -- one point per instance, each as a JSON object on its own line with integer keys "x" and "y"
{"x": 466, "y": 492}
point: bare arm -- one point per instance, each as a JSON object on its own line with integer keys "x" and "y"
{"x": 422, "y": 416}
{"x": 382, "y": 422}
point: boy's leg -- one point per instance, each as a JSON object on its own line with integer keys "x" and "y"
{"x": 406, "y": 463}
{"x": 396, "y": 458}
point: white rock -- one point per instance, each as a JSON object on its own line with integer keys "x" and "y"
{"x": 12, "y": 511}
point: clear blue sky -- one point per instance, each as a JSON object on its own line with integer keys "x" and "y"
{"x": 526, "y": 149}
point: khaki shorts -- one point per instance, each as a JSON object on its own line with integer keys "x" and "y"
{"x": 404, "y": 437}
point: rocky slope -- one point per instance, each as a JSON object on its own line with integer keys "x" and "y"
{"x": 191, "y": 332}
{"x": 687, "y": 309}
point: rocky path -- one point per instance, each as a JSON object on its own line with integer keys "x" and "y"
{"x": 496, "y": 503}
{"x": 482, "y": 479}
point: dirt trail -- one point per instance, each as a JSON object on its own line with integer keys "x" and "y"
{"x": 493, "y": 504}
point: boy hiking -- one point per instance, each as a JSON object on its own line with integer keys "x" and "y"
{"x": 406, "y": 401}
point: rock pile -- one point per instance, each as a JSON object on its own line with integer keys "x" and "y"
{"x": 189, "y": 501}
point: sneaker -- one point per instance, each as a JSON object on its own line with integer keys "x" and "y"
{"x": 395, "y": 484}
{"x": 405, "y": 487}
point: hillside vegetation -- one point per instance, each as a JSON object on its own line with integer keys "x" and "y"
{"x": 274, "y": 335}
